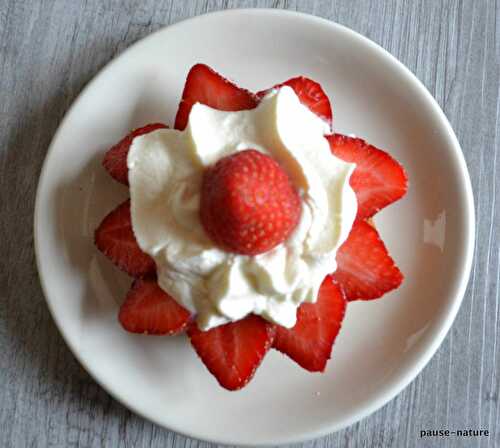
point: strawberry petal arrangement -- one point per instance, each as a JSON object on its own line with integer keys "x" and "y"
{"x": 249, "y": 206}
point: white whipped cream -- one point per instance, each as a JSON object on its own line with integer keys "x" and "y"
{"x": 165, "y": 172}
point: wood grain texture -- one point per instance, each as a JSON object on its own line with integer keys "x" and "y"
{"x": 50, "y": 49}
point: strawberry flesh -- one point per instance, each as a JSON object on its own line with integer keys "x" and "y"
{"x": 204, "y": 85}
{"x": 309, "y": 343}
{"x": 378, "y": 179}
{"x": 115, "y": 159}
{"x": 310, "y": 94}
{"x": 248, "y": 204}
{"x": 150, "y": 310}
{"x": 365, "y": 270}
{"x": 232, "y": 352}
{"x": 115, "y": 238}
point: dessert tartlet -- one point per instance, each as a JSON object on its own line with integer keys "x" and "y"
{"x": 249, "y": 224}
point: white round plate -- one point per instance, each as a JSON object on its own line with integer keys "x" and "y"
{"x": 383, "y": 344}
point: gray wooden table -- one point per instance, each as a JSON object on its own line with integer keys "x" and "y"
{"x": 50, "y": 49}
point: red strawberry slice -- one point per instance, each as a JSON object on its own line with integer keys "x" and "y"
{"x": 115, "y": 238}
{"x": 115, "y": 159}
{"x": 248, "y": 204}
{"x": 232, "y": 352}
{"x": 150, "y": 310}
{"x": 365, "y": 270}
{"x": 378, "y": 179}
{"x": 310, "y": 94}
{"x": 309, "y": 343}
{"x": 205, "y": 86}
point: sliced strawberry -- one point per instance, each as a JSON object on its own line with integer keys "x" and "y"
{"x": 310, "y": 94}
{"x": 309, "y": 343}
{"x": 150, "y": 310}
{"x": 115, "y": 159}
{"x": 365, "y": 270}
{"x": 205, "y": 86}
{"x": 378, "y": 179}
{"x": 115, "y": 238}
{"x": 232, "y": 352}
{"x": 248, "y": 203}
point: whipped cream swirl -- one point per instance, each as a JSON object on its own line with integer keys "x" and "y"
{"x": 165, "y": 173}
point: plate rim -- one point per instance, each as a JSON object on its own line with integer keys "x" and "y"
{"x": 421, "y": 359}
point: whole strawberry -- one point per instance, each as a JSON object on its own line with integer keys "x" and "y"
{"x": 248, "y": 203}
